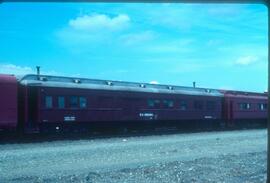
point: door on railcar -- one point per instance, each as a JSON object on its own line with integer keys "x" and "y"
{"x": 32, "y": 107}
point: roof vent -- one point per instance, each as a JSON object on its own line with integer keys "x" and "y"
{"x": 43, "y": 79}
{"x": 207, "y": 90}
{"x": 142, "y": 85}
{"x": 77, "y": 81}
{"x": 170, "y": 87}
{"x": 38, "y": 72}
{"x": 194, "y": 84}
{"x": 109, "y": 83}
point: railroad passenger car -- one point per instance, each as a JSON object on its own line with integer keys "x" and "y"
{"x": 244, "y": 108}
{"x": 66, "y": 104}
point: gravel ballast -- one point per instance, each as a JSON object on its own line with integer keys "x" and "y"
{"x": 235, "y": 156}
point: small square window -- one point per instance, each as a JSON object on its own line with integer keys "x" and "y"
{"x": 83, "y": 102}
{"x": 48, "y": 102}
{"x": 61, "y": 102}
{"x": 73, "y": 102}
{"x": 263, "y": 106}
{"x": 153, "y": 103}
{"x": 168, "y": 103}
{"x": 183, "y": 105}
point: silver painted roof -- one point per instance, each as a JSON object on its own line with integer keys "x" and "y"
{"x": 95, "y": 84}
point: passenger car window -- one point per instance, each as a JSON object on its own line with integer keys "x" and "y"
{"x": 73, "y": 102}
{"x": 244, "y": 106}
{"x": 183, "y": 105}
{"x": 153, "y": 103}
{"x": 83, "y": 102}
{"x": 48, "y": 102}
{"x": 168, "y": 103}
{"x": 263, "y": 106}
{"x": 157, "y": 103}
{"x": 61, "y": 102}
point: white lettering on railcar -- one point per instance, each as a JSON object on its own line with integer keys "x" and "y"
{"x": 69, "y": 118}
{"x": 208, "y": 117}
{"x": 146, "y": 114}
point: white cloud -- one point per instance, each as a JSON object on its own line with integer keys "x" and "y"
{"x": 100, "y": 22}
{"x": 246, "y": 60}
{"x": 90, "y": 32}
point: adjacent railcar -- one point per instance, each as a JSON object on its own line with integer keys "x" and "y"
{"x": 64, "y": 104}
{"x": 245, "y": 109}
{"x": 8, "y": 104}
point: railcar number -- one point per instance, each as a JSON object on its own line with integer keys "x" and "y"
{"x": 69, "y": 118}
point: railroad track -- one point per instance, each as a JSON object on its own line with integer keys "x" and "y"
{"x": 12, "y": 138}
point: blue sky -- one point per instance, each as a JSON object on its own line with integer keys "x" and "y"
{"x": 218, "y": 46}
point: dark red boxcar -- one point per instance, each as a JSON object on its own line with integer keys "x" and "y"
{"x": 8, "y": 102}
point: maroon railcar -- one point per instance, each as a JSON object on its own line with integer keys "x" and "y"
{"x": 61, "y": 103}
{"x": 37, "y": 103}
{"x": 8, "y": 103}
{"x": 245, "y": 108}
